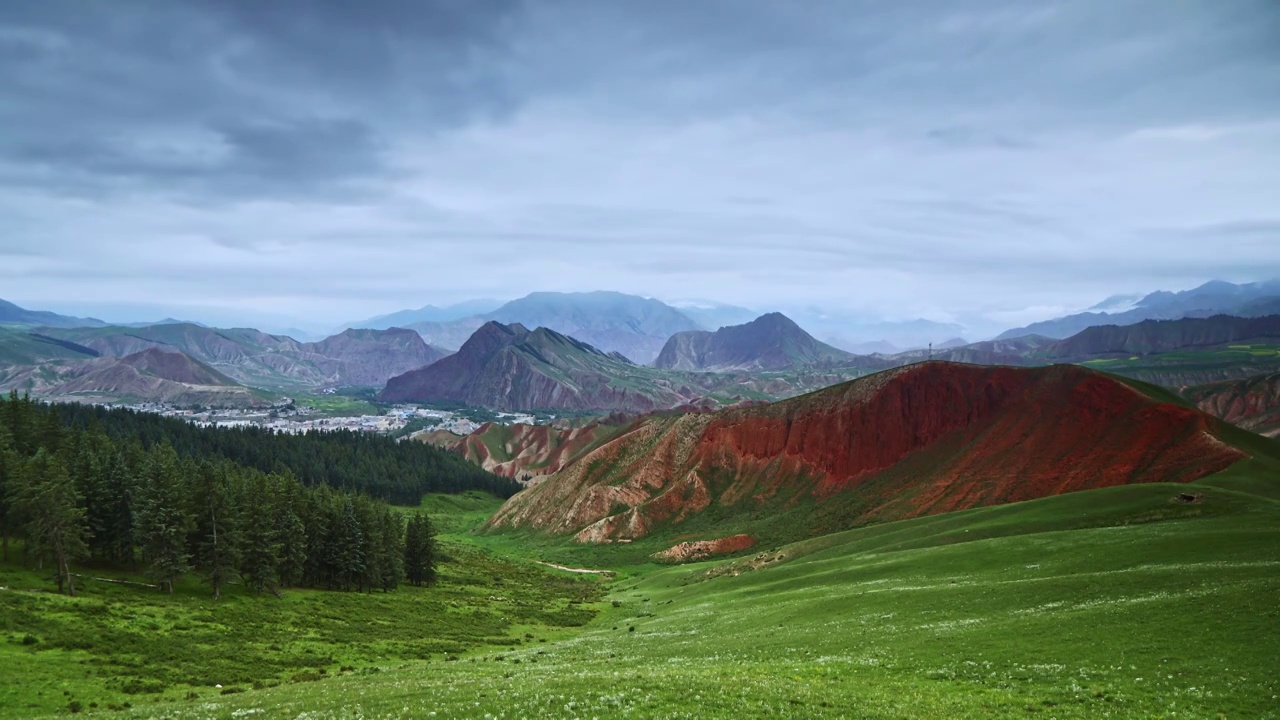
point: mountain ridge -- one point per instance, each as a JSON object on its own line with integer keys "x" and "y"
{"x": 770, "y": 342}
{"x": 921, "y": 439}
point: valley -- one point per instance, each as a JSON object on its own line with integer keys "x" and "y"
{"x": 748, "y": 360}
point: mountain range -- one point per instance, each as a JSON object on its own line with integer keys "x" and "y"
{"x": 44, "y": 360}
{"x": 510, "y": 367}
{"x": 151, "y": 375}
{"x": 11, "y": 314}
{"x": 928, "y": 438}
{"x": 1215, "y": 297}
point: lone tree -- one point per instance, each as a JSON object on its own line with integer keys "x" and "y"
{"x": 46, "y": 498}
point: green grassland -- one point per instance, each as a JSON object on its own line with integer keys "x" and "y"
{"x": 1123, "y": 602}
{"x": 1195, "y": 366}
{"x": 336, "y": 405}
{"x": 118, "y": 645}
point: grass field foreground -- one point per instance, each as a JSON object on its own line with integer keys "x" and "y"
{"x": 1124, "y": 602}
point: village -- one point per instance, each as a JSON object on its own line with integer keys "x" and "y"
{"x": 286, "y": 416}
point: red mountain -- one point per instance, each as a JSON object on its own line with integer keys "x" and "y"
{"x": 923, "y": 439}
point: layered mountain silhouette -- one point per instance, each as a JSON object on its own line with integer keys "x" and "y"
{"x": 770, "y": 342}
{"x": 248, "y": 357}
{"x": 927, "y": 438}
{"x": 509, "y": 367}
{"x": 1212, "y": 298}
{"x": 11, "y": 314}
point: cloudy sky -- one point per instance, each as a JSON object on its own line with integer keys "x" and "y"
{"x": 322, "y": 161}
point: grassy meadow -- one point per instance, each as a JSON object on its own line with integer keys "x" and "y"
{"x": 1124, "y": 602}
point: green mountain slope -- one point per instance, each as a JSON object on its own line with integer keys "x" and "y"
{"x": 1119, "y": 602}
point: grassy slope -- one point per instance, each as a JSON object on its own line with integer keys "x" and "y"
{"x": 1117, "y": 602}
{"x": 117, "y": 644}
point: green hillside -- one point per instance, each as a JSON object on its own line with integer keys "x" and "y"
{"x": 1120, "y": 602}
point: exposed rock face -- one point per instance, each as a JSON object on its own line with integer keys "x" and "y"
{"x": 1253, "y": 404}
{"x": 370, "y": 357}
{"x": 928, "y": 438}
{"x": 770, "y": 342}
{"x": 702, "y": 549}
{"x": 509, "y": 367}
{"x": 530, "y": 451}
{"x": 250, "y": 357}
{"x": 152, "y": 375}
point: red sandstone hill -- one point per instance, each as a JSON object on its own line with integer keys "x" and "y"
{"x": 1252, "y": 403}
{"x": 529, "y": 451}
{"x": 927, "y": 438}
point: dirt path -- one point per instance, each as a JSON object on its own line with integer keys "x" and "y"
{"x": 574, "y": 570}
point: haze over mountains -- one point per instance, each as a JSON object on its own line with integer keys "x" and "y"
{"x": 608, "y": 351}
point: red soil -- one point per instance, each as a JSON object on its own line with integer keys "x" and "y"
{"x": 702, "y": 549}
{"x": 924, "y": 439}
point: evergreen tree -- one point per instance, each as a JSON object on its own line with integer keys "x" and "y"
{"x": 260, "y": 549}
{"x": 391, "y": 549}
{"x": 213, "y": 537}
{"x": 162, "y": 520}
{"x": 54, "y": 519}
{"x": 419, "y": 551}
{"x": 9, "y": 464}
{"x": 290, "y": 531}
{"x": 347, "y": 547}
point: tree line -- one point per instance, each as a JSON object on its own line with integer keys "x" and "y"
{"x": 73, "y": 492}
{"x": 379, "y": 466}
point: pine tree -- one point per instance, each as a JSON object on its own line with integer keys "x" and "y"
{"x": 391, "y": 549}
{"x": 213, "y": 537}
{"x": 54, "y": 519}
{"x": 419, "y": 551}
{"x": 347, "y": 545}
{"x": 290, "y": 531}
{"x": 162, "y": 520}
{"x": 260, "y": 549}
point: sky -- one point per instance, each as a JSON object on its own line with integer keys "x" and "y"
{"x": 308, "y": 163}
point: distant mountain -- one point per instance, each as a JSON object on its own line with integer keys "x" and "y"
{"x": 770, "y": 342}
{"x": 1150, "y": 337}
{"x": 427, "y": 313}
{"x": 166, "y": 321}
{"x": 257, "y": 359}
{"x": 858, "y": 334}
{"x": 509, "y": 367}
{"x": 1252, "y": 403}
{"x": 713, "y": 316}
{"x": 152, "y": 375}
{"x": 11, "y": 314}
{"x": 447, "y": 335}
{"x": 1212, "y": 298}
{"x": 634, "y": 326}
{"x": 925, "y": 439}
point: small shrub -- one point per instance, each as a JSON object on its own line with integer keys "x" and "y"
{"x": 75, "y": 706}
{"x": 30, "y": 639}
{"x": 232, "y": 690}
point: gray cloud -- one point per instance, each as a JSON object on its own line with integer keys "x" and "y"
{"x": 979, "y": 161}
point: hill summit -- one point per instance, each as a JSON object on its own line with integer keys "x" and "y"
{"x": 770, "y": 342}
{"x": 927, "y": 438}
{"x": 510, "y": 367}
